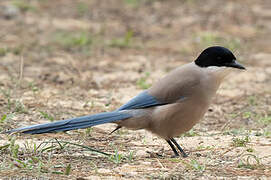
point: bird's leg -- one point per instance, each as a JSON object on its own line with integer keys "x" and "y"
{"x": 173, "y": 148}
{"x": 179, "y": 147}
{"x": 117, "y": 128}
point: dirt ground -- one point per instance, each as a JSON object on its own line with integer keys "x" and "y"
{"x": 64, "y": 58}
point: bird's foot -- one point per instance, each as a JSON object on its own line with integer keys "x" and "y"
{"x": 175, "y": 156}
{"x": 184, "y": 155}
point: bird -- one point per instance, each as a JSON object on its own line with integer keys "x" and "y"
{"x": 169, "y": 108}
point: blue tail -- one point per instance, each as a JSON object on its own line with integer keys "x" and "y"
{"x": 74, "y": 123}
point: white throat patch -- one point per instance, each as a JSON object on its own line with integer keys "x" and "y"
{"x": 221, "y": 72}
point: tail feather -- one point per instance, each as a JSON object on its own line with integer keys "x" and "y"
{"x": 74, "y": 123}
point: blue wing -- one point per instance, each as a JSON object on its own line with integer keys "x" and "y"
{"x": 142, "y": 100}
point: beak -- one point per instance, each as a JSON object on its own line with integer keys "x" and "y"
{"x": 235, "y": 64}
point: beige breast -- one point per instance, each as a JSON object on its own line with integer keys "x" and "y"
{"x": 174, "y": 119}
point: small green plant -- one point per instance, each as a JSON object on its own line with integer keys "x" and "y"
{"x": 240, "y": 131}
{"x": 195, "y": 165}
{"x": 28, "y": 157}
{"x": 247, "y": 115}
{"x": 233, "y": 115}
{"x": 4, "y": 117}
{"x": 82, "y": 8}
{"x": 13, "y": 104}
{"x": 30, "y": 163}
{"x": 88, "y": 131}
{"x": 252, "y": 100}
{"x": 133, "y": 3}
{"x": 240, "y": 142}
{"x": 19, "y": 107}
{"x": 64, "y": 144}
{"x": 122, "y": 131}
{"x": 16, "y": 50}
{"x": 190, "y": 133}
{"x": 142, "y": 82}
{"x": 47, "y": 116}
{"x": 7, "y": 95}
{"x": 116, "y": 157}
{"x": 34, "y": 149}
{"x": 74, "y": 40}
{"x": 144, "y": 140}
{"x": 266, "y": 120}
{"x": 68, "y": 169}
{"x": 23, "y": 5}
{"x": 33, "y": 87}
{"x": 3, "y": 51}
{"x": 267, "y": 132}
{"x": 131, "y": 156}
{"x": 13, "y": 147}
{"x": 123, "y": 42}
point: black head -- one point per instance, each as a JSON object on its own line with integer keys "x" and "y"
{"x": 217, "y": 56}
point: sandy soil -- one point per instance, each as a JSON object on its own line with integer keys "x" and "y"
{"x": 63, "y": 59}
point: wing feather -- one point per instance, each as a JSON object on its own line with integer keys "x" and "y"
{"x": 142, "y": 100}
